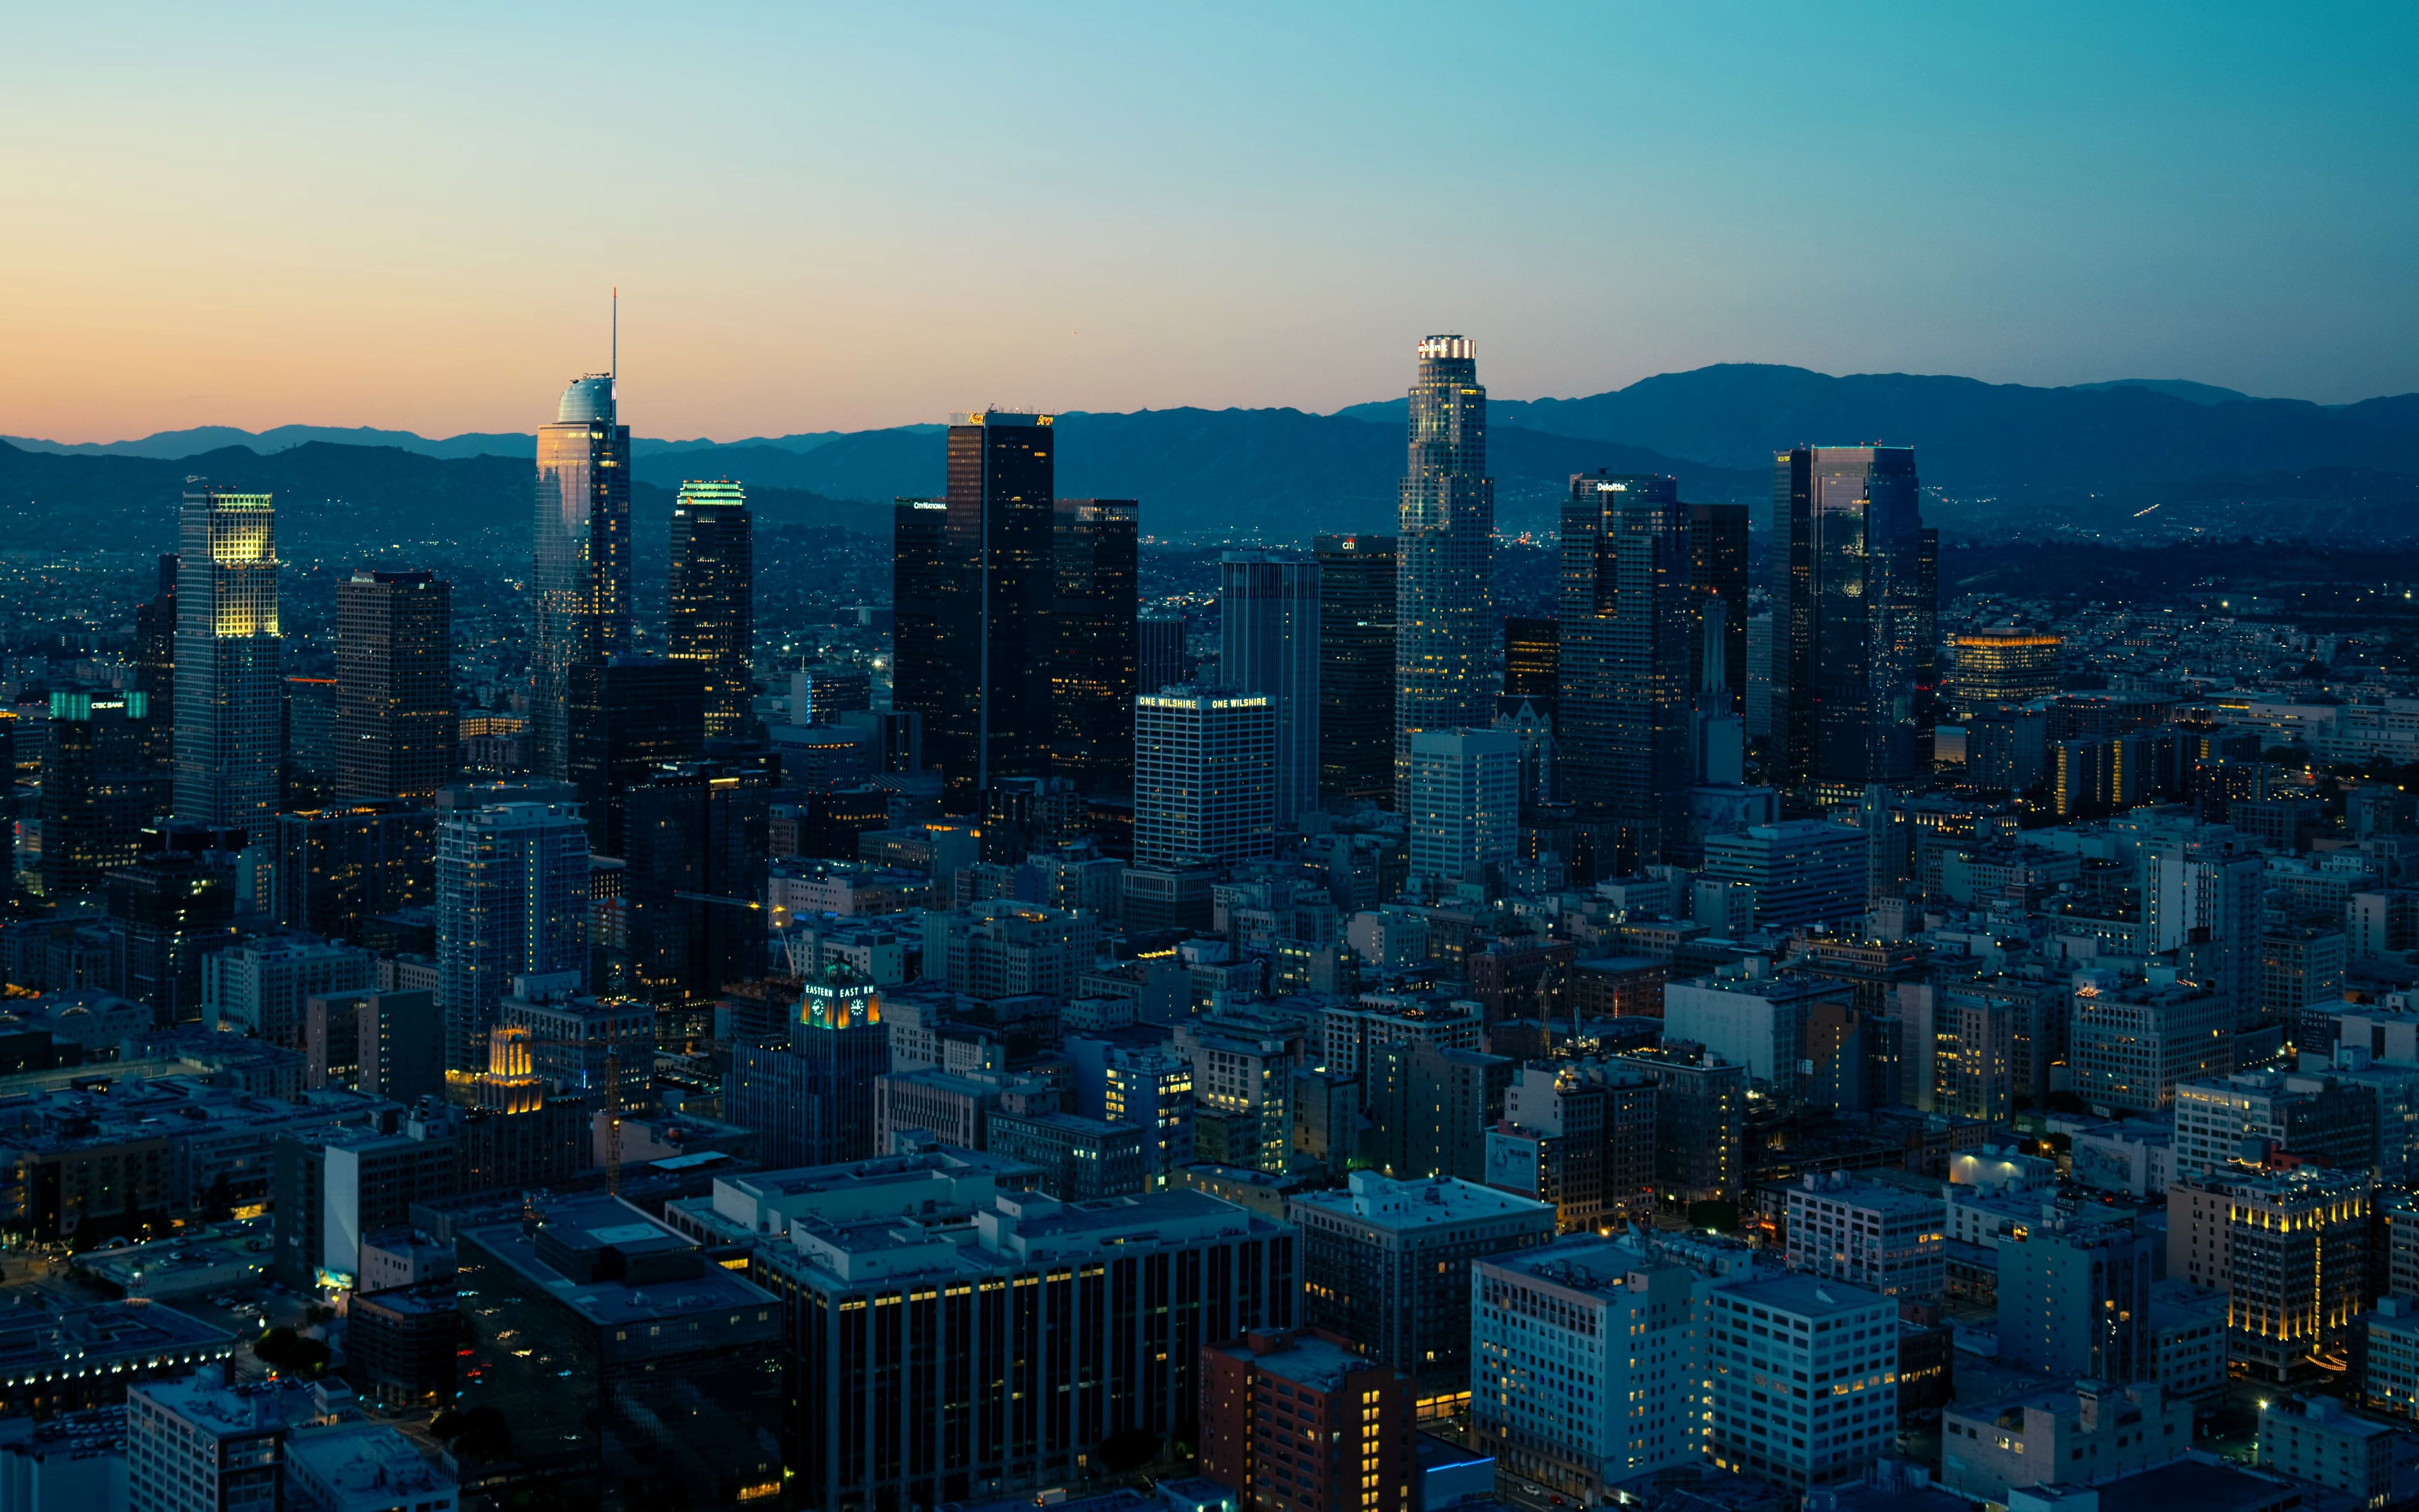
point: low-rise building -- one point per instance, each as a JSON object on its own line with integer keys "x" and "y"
{"x": 2187, "y": 1339}
{"x": 2385, "y": 1356}
{"x": 59, "y": 1358}
{"x": 2093, "y": 1430}
{"x": 362, "y": 1466}
{"x": 2314, "y": 1438}
{"x": 1303, "y": 1423}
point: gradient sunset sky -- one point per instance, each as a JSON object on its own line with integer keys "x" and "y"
{"x": 838, "y": 217}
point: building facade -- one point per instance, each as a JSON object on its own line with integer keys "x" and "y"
{"x": 1444, "y": 613}
{"x": 710, "y": 611}
{"x": 395, "y": 685}
{"x": 230, "y": 651}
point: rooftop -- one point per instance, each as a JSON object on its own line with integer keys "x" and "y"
{"x": 1385, "y": 1203}
{"x": 1804, "y": 1296}
{"x": 363, "y": 1456}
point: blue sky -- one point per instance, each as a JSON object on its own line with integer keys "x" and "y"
{"x": 846, "y": 216}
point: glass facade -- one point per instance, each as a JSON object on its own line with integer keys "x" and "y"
{"x": 1629, "y": 637}
{"x": 581, "y": 566}
{"x": 1356, "y": 667}
{"x": 395, "y": 685}
{"x": 1444, "y": 623}
{"x": 230, "y": 708}
{"x": 1093, "y": 651}
{"x": 710, "y": 609}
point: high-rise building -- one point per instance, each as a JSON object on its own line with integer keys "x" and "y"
{"x": 1388, "y": 1263}
{"x": 338, "y": 868}
{"x": 1532, "y": 660}
{"x": 1718, "y": 572}
{"x": 395, "y": 685}
{"x": 512, "y": 901}
{"x": 1700, "y": 1122}
{"x": 2075, "y": 1299}
{"x": 629, "y": 716}
{"x": 581, "y": 572}
{"x": 155, "y": 663}
{"x": 1803, "y": 872}
{"x": 170, "y": 908}
{"x": 1444, "y": 617}
{"x": 261, "y": 987}
{"x": 1356, "y": 668}
{"x": 2288, "y": 1247}
{"x": 1092, "y": 630}
{"x": 1430, "y": 1107}
{"x": 1205, "y": 779}
{"x": 1581, "y": 1137}
{"x": 972, "y": 591}
{"x": 710, "y": 613}
{"x": 1629, "y": 637}
{"x": 820, "y": 695}
{"x": 1880, "y": 1238}
{"x": 810, "y": 1099}
{"x": 310, "y": 717}
{"x": 1853, "y": 598}
{"x": 695, "y": 844}
{"x": 229, "y": 652}
{"x": 2003, "y": 666}
{"x": 1269, "y": 618}
{"x": 99, "y": 788}
{"x": 1350, "y": 1437}
{"x": 1462, "y": 792}
{"x": 1162, "y": 658}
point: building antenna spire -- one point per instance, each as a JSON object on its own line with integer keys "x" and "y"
{"x": 613, "y": 364}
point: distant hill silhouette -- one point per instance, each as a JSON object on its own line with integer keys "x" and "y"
{"x": 2088, "y": 455}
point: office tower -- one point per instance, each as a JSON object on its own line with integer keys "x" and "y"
{"x": 1390, "y": 1264}
{"x": 512, "y": 901}
{"x": 399, "y": 1043}
{"x": 2075, "y": 1299}
{"x": 1803, "y": 872}
{"x": 228, "y": 652}
{"x": 1348, "y": 1439}
{"x": 1444, "y": 616}
{"x": 1832, "y": 1331}
{"x": 99, "y": 788}
{"x": 1095, "y": 1273}
{"x": 1356, "y": 668}
{"x": 155, "y": 663}
{"x": 1205, "y": 777}
{"x": 171, "y": 909}
{"x": 629, "y": 716}
{"x": 1430, "y": 1107}
{"x": 1092, "y": 629}
{"x": 1700, "y": 1122}
{"x": 696, "y": 842}
{"x": 1585, "y": 1367}
{"x": 1532, "y": 660}
{"x": 2132, "y": 1043}
{"x": 395, "y": 685}
{"x": 1852, "y": 596}
{"x": 2288, "y": 1247}
{"x": 710, "y": 612}
{"x": 660, "y": 1369}
{"x": 2001, "y": 667}
{"x": 338, "y": 868}
{"x": 1269, "y": 615}
{"x": 1718, "y": 572}
{"x": 973, "y": 585}
{"x": 581, "y": 558}
{"x": 1462, "y": 792}
{"x": 1161, "y": 659}
{"x": 1581, "y": 1137}
{"x": 260, "y": 988}
{"x": 820, "y": 695}
{"x": 309, "y": 736}
{"x": 1876, "y": 1237}
{"x": 1243, "y": 1095}
{"x": 811, "y": 1098}
{"x": 2201, "y": 888}
{"x": 1631, "y": 634}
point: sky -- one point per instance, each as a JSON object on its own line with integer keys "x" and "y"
{"x": 838, "y": 217}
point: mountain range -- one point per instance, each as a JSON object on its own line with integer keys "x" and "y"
{"x": 2092, "y": 454}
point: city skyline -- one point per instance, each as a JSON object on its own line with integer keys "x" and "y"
{"x": 840, "y": 289}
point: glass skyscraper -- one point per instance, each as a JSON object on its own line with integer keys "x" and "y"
{"x": 1093, "y": 627}
{"x": 1852, "y": 587}
{"x": 1267, "y": 609}
{"x": 581, "y": 570}
{"x": 395, "y": 685}
{"x": 1356, "y": 667}
{"x": 512, "y": 901}
{"x": 710, "y": 609}
{"x": 1444, "y": 619}
{"x": 230, "y": 708}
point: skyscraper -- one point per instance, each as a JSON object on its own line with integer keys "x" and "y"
{"x": 629, "y": 716}
{"x": 154, "y": 665}
{"x": 99, "y": 788}
{"x": 1853, "y": 600}
{"x": 695, "y": 838}
{"x": 1463, "y": 796}
{"x": 1717, "y": 571}
{"x": 229, "y": 655}
{"x": 1532, "y": 660}
{"x": 581, "y": 572}
{"x": 512, "y": 901}
{"x": 395, "y": 685}
{"x": 1269, "y": 616}
{"x": 810, "y": 1099}
{"x": 711, "y": 610}
{"x": 1092, "y": 620}
{"x": 972, "y": 593}
{"x": 1204, "y": 783}
{"x": 1444, "y": 620}
{"x": 1629, "y": 633}
{"x": 1356, "y": 668}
